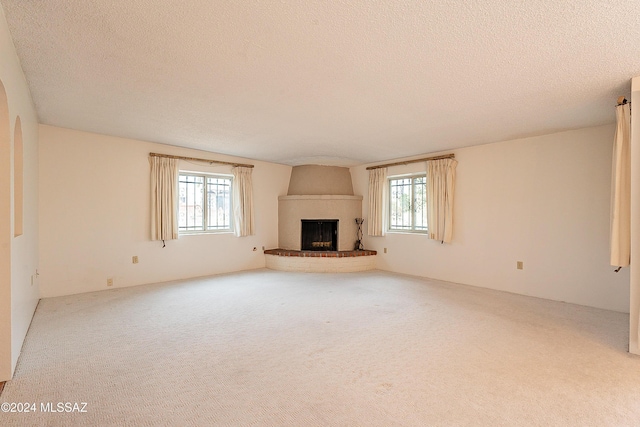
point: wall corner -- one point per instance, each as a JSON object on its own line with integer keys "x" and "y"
{"x": 634, "y": 285}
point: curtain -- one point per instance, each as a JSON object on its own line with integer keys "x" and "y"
{"x": 243, "y": 201}
{"x": 621, "y": 191}
{"x": 164, "y": 198}
{"x": 441, "y": 176}
{"x": 377, "y": 209}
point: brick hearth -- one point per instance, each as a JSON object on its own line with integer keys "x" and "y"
{"x": 319, "y": 254}
{"x": 320, "y": 261}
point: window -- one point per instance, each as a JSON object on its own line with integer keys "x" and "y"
{"x": 407, "y": 204}
{"x": 197, "y": 213}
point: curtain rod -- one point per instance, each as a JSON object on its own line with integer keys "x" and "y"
{"x": 622, "y": 100}
{"x": 406, "y": 162}
{"x": 219, "y": 162}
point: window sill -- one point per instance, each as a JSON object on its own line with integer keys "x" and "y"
{"x": 423, "y": 233}
{"x": 200, "y": 233}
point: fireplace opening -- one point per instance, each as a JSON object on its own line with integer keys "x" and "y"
{"x": 319, "y": 235}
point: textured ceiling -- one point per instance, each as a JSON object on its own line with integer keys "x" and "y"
{"x": 339, "y": 82}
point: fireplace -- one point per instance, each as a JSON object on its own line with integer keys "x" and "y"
{"x": 319, "y": 235}
{"x": 319, "y": 194}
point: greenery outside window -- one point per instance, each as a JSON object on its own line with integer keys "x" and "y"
{"x": 407, "y": 203}
{"x": 204, "y": 203}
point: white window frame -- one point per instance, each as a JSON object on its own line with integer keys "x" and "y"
{"x": 205, "y": 213}
{"x": 411, "y": 230}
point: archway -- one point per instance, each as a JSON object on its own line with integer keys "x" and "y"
{"x": 18, "y": 179}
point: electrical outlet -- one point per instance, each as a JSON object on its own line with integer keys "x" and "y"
{"x": 134, "y": 259}
{"x": 109, "y": 282}
{"x": 519, "y": 265}
{"x": 385, "y": 250}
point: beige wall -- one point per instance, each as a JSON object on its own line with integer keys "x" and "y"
{"x": 18, "y": 254}
{"x": 95, "y": 216}
{"x": 541, "y": 200}
{"x": 316, "y": 179}
{"x": 293, "y": 209}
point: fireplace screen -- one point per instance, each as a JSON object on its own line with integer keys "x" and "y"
{"x": 319, "y": 235}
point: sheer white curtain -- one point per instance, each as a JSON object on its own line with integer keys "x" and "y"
{"x": 621, "y": 191}
{"x": 377, "y": 208}
{"x": 441, "y": 176}
{"x": 243, "y": 201}
{"x": 164, "y": 198}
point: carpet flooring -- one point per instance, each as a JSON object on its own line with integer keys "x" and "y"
{"x": 268, "y": 348}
